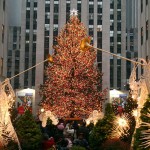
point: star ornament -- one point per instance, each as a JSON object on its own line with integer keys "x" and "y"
{"x": 73, "y": 12}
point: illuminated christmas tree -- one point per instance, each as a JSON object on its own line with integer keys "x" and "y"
{"x": 72, "y": 87}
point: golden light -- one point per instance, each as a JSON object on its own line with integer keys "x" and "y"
{"x": 85, "y": 44}
{"x": 50, "y": 58}
{"x": 42, "y": 110}
{"x": 135, "y": 113}
{"x": 122, "y": 122}
{"x": 121, "y": 126}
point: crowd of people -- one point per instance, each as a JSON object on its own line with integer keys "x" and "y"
{"x": 66, "y": 135}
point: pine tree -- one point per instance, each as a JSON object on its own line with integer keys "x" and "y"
{"x": 142, "y": 136}
{"x": 103, "y": 129}
{"x": 72, "y": 81}
{"x": 28, "y": 132}
{"x": 128, "y": 111}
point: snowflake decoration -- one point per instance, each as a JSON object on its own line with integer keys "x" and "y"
{"x": 73, "y": 12}
{"x": 121, "y": 126}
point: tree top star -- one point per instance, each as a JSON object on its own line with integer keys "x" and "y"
{"x": 73, "y": 12}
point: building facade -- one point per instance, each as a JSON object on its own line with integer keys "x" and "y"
{"x": 3, "y": 35}
{"x": 143, "y": 31}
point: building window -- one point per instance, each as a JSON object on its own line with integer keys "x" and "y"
{"x": 119, "y": 26}
{"x": 34, "y": 37}
{"x": 111, "y": 74}
{"x": 111, "y": 49}
{"x": 142, "y": 36}
{"x": 118, "y": 37}
{"x": 56, "y": 8}
{"x": 55, "y": 18}
{"x": 90, "y": 31}
{"x": 3, "y": 33}
{"x": 119, "y": 76}
{"x": 28, "y": 4}
{"x": 47, "y": 7}
{"x": 119, "y": 15}
{"x": 3, "y": 5}
{"x": 119, "y": 48}
{"x": 111, "y": 16}
{"x": 99, "y": 56}
{"x": 28, "y": 14}
{"x": 34, "y": 47}
{"x": 99, "y": 19}
{"x": 141, "y": 6}
{"x": 147, "y": 30}
{"x": 34, "y": 24}
{"x": 111, "y": 39}
{"x": 79, "y": 9}
{"x": 118, "y": 4}
{"x": 47, "y": 21}
{"x": 112, "y": 4}
{"x": 112, "y": 26}
{"x": 68, "y": 7}
{"x": 35, "y": 14}
{"x": 35, "y": 4}
{"x": 27, "y": 36}
{"x": 14, "y": 34}
{"x": 91, "y": 8}
{"x": 27, "y": 23}
{"x": 67, "y": 11}
{"x": 99, "y": 9}
{"x": 99, "y": 66}
{"x": 26, "y": 79}
{"x": 33, "y": 77}
{"x": 91, "y": 22}
{"x": 14, "y": 46}
{"x": 16, "y": 83}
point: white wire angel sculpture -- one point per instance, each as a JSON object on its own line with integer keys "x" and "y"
{"x": 7, "y": 131}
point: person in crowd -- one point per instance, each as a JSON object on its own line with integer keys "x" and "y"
{"x": 69, "y": 138}
{"x": 81, "y": 141}
{"x": 47, "y": 142}
{"x": 62, "y": 144}
{"x": 84, "y": 130}
{"x": 68, "y": 129}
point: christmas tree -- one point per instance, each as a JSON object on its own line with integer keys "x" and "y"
{"x": 72, "y": 85}
{"x": 103, "y": 128}
{"x": 28, "y": 131}
{"x": 142, "y": 136}
{"x": 130, "y": 106}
